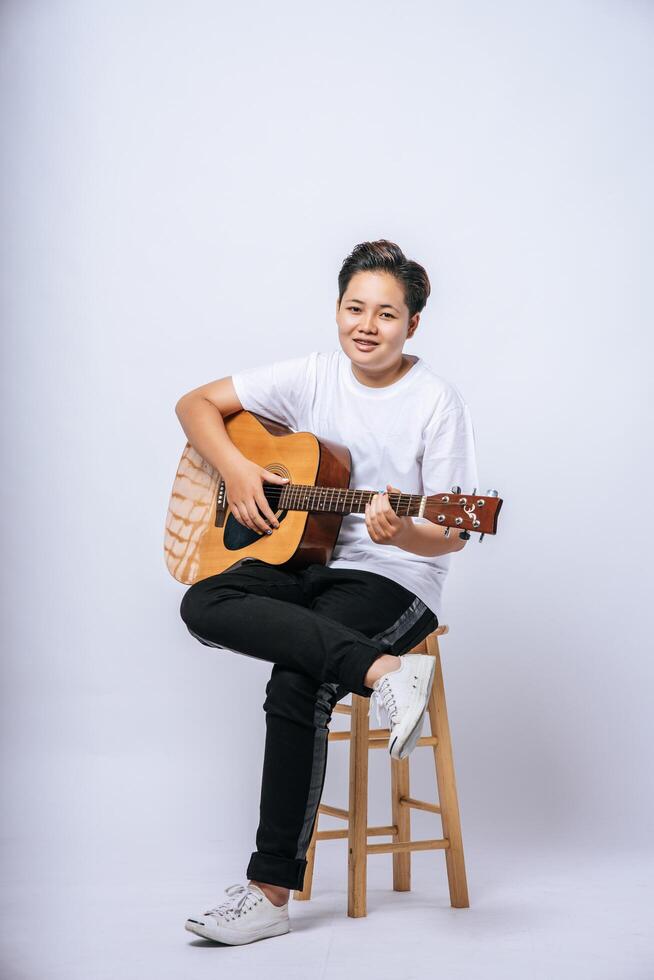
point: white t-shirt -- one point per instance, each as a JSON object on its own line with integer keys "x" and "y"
{"x": 415, "y": 434}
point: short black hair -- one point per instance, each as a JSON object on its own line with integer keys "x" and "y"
{"x": 385, "y": 256}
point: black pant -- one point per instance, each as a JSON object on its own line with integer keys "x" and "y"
{"x": 322, "y": 628}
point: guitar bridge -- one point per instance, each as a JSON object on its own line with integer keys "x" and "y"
{"x": 221, "y": 504}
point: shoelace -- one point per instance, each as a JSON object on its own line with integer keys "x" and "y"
{"x": 237, "y": 903}
{"x": 383, "y": 695}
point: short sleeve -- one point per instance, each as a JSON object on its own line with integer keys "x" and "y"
{"x": 449, "y": 457}
{"x": 276, "y": 390}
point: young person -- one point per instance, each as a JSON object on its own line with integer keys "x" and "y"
{"x": 346, "y": 626}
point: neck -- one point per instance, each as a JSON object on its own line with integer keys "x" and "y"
{"x": 337, "y": 500}
{"x": 390, "y": 377}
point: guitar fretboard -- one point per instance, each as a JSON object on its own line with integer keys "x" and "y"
{"x": 337, "y": 500}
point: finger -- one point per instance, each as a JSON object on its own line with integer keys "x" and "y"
{"x": 375, "y": 518}
{"x": 242, "y": 516}
{"x": 258, "y": 522}
{"x": 385, "y": 509}
{"x": 247, "y": 517}
{"x": 395, "y": 491}
{"x": 384, "y": 527}
{"x": 271, "y": 477}
{"x": 389, "y": 512}
{"x": 268, "y": 513}
{"x": 374, "y": 524}
{"x": 369, "y": 525}
{"x": 234, "y": 510}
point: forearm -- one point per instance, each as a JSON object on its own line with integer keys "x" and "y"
{"x": 429, "y": 540}
{"x": 205, "y": 430}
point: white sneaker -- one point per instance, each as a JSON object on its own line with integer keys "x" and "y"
{"x": 404, "y": 693}
{"x": 247, "y": 914}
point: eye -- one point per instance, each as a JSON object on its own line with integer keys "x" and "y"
{"x": 388, "y": 314}
{"x": 355, "y": 309}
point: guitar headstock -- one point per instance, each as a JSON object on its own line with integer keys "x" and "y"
{"x": 465, "y": 511}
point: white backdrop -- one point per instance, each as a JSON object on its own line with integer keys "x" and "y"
{"x": 181, "y": 183}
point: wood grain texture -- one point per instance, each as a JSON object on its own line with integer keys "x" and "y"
{"x": 192, "y": 502}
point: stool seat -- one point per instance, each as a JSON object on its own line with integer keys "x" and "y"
{"x": 361, "y": 739}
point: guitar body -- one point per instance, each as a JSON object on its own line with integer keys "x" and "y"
{"x": 202, "y": 536}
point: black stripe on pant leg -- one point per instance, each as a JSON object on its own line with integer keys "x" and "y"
{"x": 325, "y": 699}
{"x": 394, "y": 634}
{"x": 328, "y": 693}
{"x": 207, "y": 643}
{"x": 425, "y": 625}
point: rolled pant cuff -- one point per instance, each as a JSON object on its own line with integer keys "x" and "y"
{"x": 275, "y": 870}
{"x": 355, "y": 668}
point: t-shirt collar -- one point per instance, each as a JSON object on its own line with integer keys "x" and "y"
{"x": 386, "y": 391}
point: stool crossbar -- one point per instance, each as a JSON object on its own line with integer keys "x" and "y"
{"x": 361, "y": 739}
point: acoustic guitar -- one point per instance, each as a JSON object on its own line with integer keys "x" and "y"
{"x": 202, "y": 536}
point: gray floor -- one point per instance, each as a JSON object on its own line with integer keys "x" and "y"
{"x": 543, "y": 915}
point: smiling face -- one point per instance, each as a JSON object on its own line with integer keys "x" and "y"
{"x": 373, "y": 310}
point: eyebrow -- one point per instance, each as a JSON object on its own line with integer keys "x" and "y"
{"x": 381, "y": 305}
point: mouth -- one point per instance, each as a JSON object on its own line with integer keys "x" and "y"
{"x": 365, "y": 345}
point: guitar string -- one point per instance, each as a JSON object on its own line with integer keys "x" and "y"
{"x": 274, "y": 491}
{"x": 308, "y": 486}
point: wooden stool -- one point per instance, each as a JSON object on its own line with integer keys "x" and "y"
{"x": 361, "y": 739}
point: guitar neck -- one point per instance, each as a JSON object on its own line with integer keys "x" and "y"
{"x": 337, "y": 500}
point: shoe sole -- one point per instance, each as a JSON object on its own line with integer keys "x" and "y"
{"x": 406, "y": 739}
{"x": 233, "y": 937}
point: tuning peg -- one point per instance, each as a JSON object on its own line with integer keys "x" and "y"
{"x": 481, "y": 536}
{"x": 456, "y": 489}
{"x": 492, "y": 493}
{"x": 447, "y": 532}
{"x": 474, "y": 491}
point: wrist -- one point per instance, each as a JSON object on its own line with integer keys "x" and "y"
{"x": 406, "y": 536}
{"x": 231, "y": 462}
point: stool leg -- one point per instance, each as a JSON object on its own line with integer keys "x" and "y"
{"x": 447, "y": 794}
{"x": 358, "y": 808}
{"x": 304, "y": 894}
{"x": 402, "y": 820}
